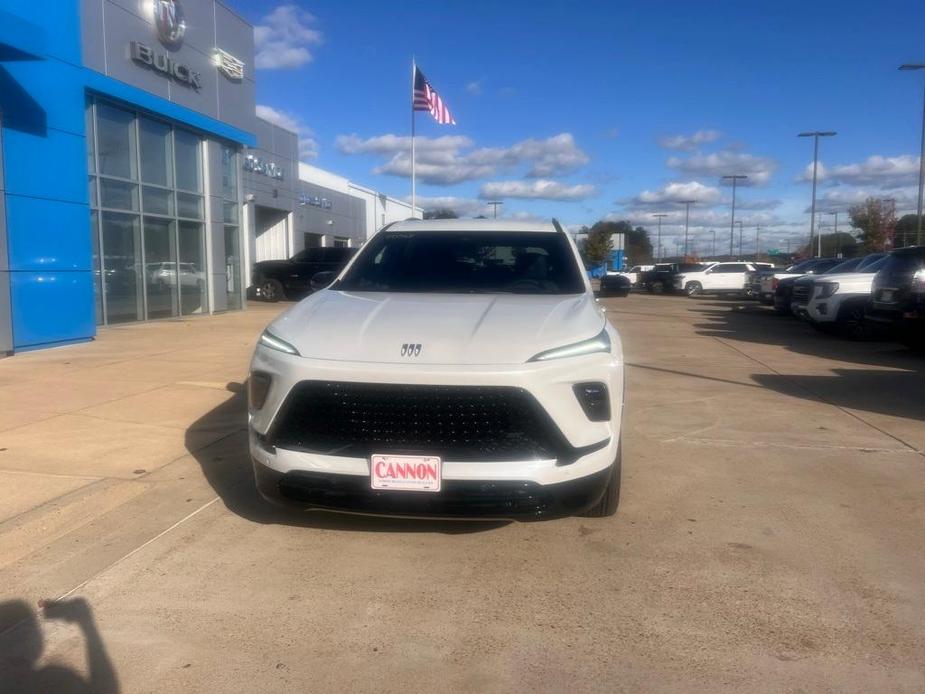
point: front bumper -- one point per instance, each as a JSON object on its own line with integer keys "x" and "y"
{"x": 458, "y": 499}
{"x": 541, "y": 486}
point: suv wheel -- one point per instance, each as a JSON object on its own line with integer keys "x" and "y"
{"x": 608, "y": 504}
{"x": 271, "y": 290}
{"x": 852, "y": 323}
{"x": 693, "y": 288}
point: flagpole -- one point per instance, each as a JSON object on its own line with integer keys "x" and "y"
{"x": 413, "y": 181}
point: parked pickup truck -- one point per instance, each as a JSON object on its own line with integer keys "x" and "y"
{"x": 836, "y": 300}
{"x": 803, "y": 286}
{"x": 282, "y": 279}
{"x": 661, "y": 277}
{"x": 898, "y": 295}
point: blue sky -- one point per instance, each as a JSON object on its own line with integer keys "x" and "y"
{"x": 591, "y": 110}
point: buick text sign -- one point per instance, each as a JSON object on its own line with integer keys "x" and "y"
{"x": 167, "y": 66}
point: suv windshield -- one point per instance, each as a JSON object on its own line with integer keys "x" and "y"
{"x": 802, "y": 266}
{"x": 847, "y": 266}
{"x": 466, "y": 262}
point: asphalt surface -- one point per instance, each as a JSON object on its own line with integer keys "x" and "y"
{"x": 770, "y": 536}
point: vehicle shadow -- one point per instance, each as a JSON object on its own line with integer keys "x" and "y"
{"x": 22, "y": 643}
{"x": 892, "y": 385}
{"x": 227, "y": 467}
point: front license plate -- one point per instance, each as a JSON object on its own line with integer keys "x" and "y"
{"x": 409, "y": 473}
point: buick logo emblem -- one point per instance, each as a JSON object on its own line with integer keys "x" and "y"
{"x": 168, "y": 18}
{"x": 411, "y": 349}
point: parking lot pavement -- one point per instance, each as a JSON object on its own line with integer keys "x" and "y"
{"x": 769, "y": 536}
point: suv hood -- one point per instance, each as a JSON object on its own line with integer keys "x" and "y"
{"x": 849, "y": 281}
{"x": 451, "y": 328}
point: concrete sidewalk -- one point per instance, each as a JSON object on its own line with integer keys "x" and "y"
{"x": 88, "y": 431}
{"x": 769, "y": 538}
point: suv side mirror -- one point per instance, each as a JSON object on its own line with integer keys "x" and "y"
{"x": 322, "y": 280}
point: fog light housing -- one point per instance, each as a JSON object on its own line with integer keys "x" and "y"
{"x": 258, "y": 386}
{"x": 594, "y": 400}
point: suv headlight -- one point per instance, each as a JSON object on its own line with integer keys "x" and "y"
{"x": 827, "y": 289}
{"x": 268, "y": 339}
{"x": 599, "y": 343}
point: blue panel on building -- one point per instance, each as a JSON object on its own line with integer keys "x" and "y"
{"x": 50, "y": 235}
{"x": 59, "y": 307}
{"x": 49, "y": 167}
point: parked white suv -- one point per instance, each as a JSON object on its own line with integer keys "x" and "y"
{"x": 716, "y": 278}
{"x": 838, "y": 300}
{"x": 455, "y": 368}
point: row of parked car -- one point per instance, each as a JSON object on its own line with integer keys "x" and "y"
{"x": 880, "y": 293}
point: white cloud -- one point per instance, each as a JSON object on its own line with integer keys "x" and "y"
{"x": 718, "y": 164}
{"x": 308, "y": 145}
{"x": 475, "y": 87}
{"x": 843, "y": 197}
{"x": 442, "y": 160}
{"x": 464, "y": 207}
{"x": 878, "y": 170}
{"x": 283, "y": 38}
{"x": 675, "y": 192}
{"x": 691, "y": 142}
{"x": 538, "y": 189}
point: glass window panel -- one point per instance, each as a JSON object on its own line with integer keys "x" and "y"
{"x": 192, "y": 269}
{"x": 97, "y": 276}
{"x": 91, "y": 140}
{"x": 230, "y": 212}
{"x": 121, "y": 263}
{"x": 118, "y": 195}
{"x": 233, "y": 267}
{"x": 157, "y": 200}
{"x": 92, "y": 192}
{"x": 189, "y": 205}
{"x": 161, "y": 267}
{"x": 116, "y": 141}
{"x": 187, "y": 153}
{"x": 229, "y": 173}
{"x": 154, "y": 140}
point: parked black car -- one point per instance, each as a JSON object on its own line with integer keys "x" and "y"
{"x": 661, "y": 278}
{"x": 615, "y": 285}
{"x": 291, "y": 279}
{"x": 898, "y": 296}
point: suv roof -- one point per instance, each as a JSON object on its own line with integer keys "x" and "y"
{"x": 471, "y": 225}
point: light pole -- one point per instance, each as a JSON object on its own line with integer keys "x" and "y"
{"x": 918, "y": 224}
{"x": 732, "y": 226}
{"x": 757, "y": 242}
{"x": 687, "y": 220}
{"x": 837, "y": 239}
{"x": 741, "y": 232}
{"x": 658, "y": 242}
{"x": 494, "y": 206}
{"x": 713, "y": 231}
{"x": 815, "y": 134}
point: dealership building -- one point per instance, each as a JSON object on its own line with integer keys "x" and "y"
{"x": 136, "y": 180}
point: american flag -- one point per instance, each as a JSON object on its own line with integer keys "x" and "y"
{"x": 427, "y": 99}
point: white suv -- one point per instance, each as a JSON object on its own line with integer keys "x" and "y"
{"x": 838, "y": 300}
{"x": 716, "y": 278}
{"x": 455, "y": 368}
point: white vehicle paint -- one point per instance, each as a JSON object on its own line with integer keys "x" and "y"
{"x": 525, "y": 362}
{"x": 717, "y": 278}
{"x": 840, "y": 300}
